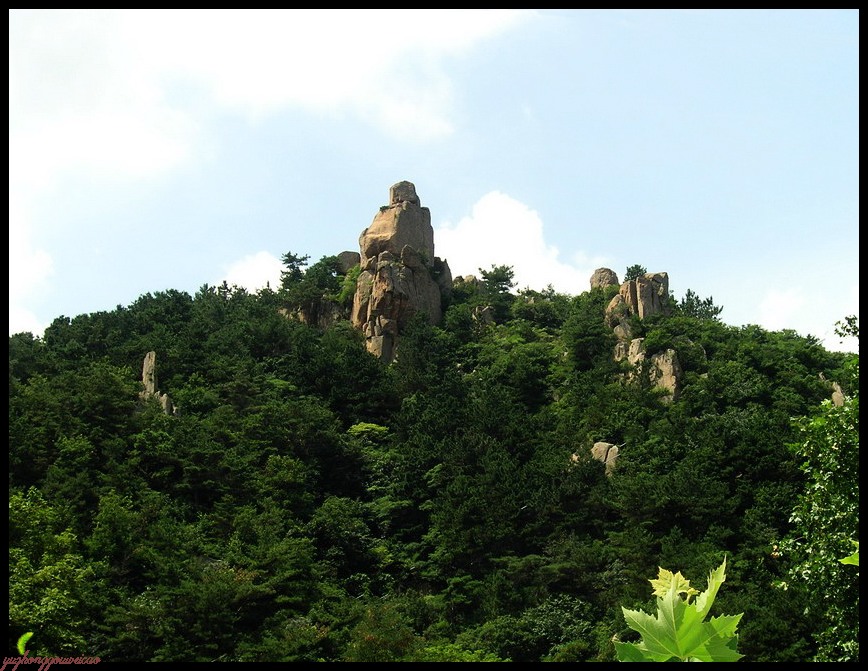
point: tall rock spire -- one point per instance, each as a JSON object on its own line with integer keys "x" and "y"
{"x": 400, "y": 275}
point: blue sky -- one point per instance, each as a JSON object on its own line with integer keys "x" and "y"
{"x": 169, "y": 149}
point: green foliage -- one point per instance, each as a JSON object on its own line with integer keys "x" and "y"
{"x": 853, "y": 559}
{"x": 294, "y": 269}
{"x": 310, "y": 503}
{"x": 348, "y": 286}
{"x": 53, "y": 589}
{"x": 587, "y": 339}
{"x": 700, "y": 308}
{"x": 826, "y": 519}
{"x": 498, "y": 280}
{"x": 496, "y": 284}
{"x": 382, "y": 635}
{"x": 679, "y": 631}
{"x": 546, "y": 309}
{"x": 558, "y": 629}
{"x": 634, "y": 272}
{"x": 451, "y": 652}
{"x": 22, "y": 642}
{"x": 321, "y": 283}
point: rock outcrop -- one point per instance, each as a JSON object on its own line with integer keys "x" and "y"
{"x": 149, "y": 382}
{"x": 837, "y": 392}
{"x": 400, "y": 275}
{"x": 348, "y": 260}
{"x": 604, "y": 277}
{"x": 326, "y": 313}
{"x": 606, "y": 453}
{"x": 837, "y": 395}
{"x": 642, "y": 297}
{"x": 664, "y": 369}
{"x": 645, "y": 296}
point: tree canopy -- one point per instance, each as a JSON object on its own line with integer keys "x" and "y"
{"x": 308, "y": 502}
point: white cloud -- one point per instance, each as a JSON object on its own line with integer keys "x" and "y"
{"x": 119, "y": 91}
{"x": 779, "y": 309}
{"x": 82, "y": 96}
{"x": 78, "y": 102}
{"x": 21, "y": 320}
{"x": 811, "y": 310}
{"x": 503, "y": 231}
{"x": 385, "y": 66}
{"x": 253, "y": 272}
{"x": 846, "y": 306}
{"x": 29, "y": 271}
{"x": 120, "y": 94}
{"x": 115, "y": 87}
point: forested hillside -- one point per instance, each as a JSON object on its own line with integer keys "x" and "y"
{"x": 306, "y": 501}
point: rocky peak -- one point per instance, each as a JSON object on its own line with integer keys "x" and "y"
{"x": 606, "y": 453}
{"x": 403, "y": 222}
{"x": 348, "y": 260}
{"x": 642, "y": 297}
{"x": 400, "y": 275}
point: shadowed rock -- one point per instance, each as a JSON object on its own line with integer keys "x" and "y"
{"x": 606, "y": 453}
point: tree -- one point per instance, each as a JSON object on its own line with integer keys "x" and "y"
{"x": 701, "y": 308}
{"x": 546, "y": 309}
{"x": 308, "y": 293}
{"x": 294, "y": 272}
{"x": 826, "y": 519}
{"x": 310, "y": 503}
{"x": 53, "y": 590}
{"x": 496, "y": 284}
{"x": 498, "y": 280}
{"x": 382, "y": 635}
{"x": 633, "y": 272}
{"x": 587, "y": 338}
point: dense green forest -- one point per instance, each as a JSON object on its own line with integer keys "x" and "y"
{"x": 308, "y": 502}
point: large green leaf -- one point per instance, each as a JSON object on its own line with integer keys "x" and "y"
{"x": 678, "y": 630}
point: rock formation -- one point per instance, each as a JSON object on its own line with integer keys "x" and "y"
{"x": 606, "y": 453}
{"x": 348, "y": 260}
{"x": 645, "y": 296}
{"x": 837, "y": 395}
{"x": 664, "y": 369}
{"x": 837, "y": 391}
{"x": 400, "y": 275}
{"x": 603, "y": 277}
{"x": 149, "y": 382}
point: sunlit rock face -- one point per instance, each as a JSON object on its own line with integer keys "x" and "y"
{"x": 663, "y": 369}
{"x": 149, "y": 384}
{"x": 645, "y": 296}
{"x": 400, "y": 275}
{"x": 606, "y": 453}
{"x": 604, "y": 277}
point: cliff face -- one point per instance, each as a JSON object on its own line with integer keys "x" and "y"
{"x": 400, "y": 275}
